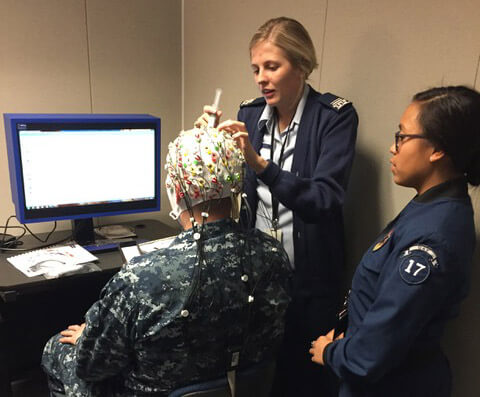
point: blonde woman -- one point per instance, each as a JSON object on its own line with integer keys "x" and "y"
{"x": 299, "y": 147}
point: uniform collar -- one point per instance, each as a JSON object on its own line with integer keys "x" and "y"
{"x": 454, "y": 188}
{"x": 267, "y": 116}
{"x": 211, "y": 229}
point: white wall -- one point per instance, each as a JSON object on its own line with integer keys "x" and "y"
{"x": 125, "y": 56}
{"x": 81, "y": 56}
{"x": 376, "y": 53}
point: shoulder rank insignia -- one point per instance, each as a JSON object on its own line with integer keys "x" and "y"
{"x": 383, "y": 241}
{"x": 339, "y": 103}
{"x": 253, "y": 102}
{"x": 335, "y": 102}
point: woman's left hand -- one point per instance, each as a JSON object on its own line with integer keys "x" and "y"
{"x": 318, "y": 346}
{"x": 72, "y": 333}
{"x": 239, "y": 132}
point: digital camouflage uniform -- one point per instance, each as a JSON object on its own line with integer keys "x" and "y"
{"x": 142, "y": 338}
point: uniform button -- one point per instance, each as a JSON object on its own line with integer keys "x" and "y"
{"x": 244, "y": 278}
{"x": 250, "y": 298}
{"x": 184, "y": 313}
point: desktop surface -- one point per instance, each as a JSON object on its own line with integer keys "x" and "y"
{"x": 110, "y": 260}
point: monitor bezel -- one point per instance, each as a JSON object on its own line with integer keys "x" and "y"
{"x": 76, "y": 121}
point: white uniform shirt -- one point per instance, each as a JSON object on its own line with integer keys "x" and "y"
{"x": 264, "y": 208}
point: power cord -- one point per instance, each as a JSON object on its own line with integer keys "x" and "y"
{"x": 9, "y": 242}
{"x": 69, "y": 238}
{"x": 38, "y": 238}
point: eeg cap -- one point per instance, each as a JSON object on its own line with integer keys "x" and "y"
{"x": 202, "y": 164}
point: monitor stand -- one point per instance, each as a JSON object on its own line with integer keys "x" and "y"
{"x": 82, "y": 230}
{"x": 84, "y": 234}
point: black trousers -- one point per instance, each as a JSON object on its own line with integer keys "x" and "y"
{"x": 421, "y": 375}
{"x": 308, "y": 317}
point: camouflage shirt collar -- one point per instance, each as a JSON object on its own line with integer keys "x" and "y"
{"x": 211, "y": 229}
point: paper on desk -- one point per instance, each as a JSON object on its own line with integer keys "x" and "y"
{"x": 73, "y": 269}
{"x": 154, "y": 245}
{"x": 130, "y": 252}
{"x": 115, "y": 231}
{"x": 54, "y": 261}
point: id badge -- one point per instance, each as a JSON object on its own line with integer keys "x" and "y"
{"x": 275, "y": 233}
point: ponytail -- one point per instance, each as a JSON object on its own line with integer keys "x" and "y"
{"x": 473, "y": 169}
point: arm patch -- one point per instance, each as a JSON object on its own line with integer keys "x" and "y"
{"x": 416, "y": 263}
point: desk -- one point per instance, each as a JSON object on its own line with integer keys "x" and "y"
{"x": 32, "y": 309}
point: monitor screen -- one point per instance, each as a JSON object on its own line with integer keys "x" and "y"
{"x": 66, "y": 166}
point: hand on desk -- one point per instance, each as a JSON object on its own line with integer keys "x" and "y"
{"x": 72, "y": 333}
{"x": 318, "y": 346}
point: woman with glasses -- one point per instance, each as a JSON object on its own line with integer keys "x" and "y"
{"x": 299, "y": 146}
{"x": 411, "y": 280}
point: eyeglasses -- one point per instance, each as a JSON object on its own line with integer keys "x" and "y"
{"x": 399, "y": 137}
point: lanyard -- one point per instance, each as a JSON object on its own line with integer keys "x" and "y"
{"x": 275, "y": 202}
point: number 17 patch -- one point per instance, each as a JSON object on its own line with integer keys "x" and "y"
{"x": 416, "y": 263}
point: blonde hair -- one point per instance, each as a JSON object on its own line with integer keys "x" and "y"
{"x": 289, "y": 35}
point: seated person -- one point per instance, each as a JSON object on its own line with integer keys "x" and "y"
{"x": 182, "y": 314}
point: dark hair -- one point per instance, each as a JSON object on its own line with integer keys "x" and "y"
{"x": 289, "y": 35}
{"x": 450, "y": 118}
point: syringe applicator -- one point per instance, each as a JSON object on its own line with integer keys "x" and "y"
{"x": 213, "y": 117}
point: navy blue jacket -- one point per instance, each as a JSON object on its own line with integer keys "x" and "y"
{"x": 406, "y": 287}
{"x": 314, "y": 189}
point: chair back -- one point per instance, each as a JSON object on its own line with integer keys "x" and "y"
{"x": 254, "y": 381}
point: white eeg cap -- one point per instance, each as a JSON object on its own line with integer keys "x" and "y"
{"x": 202, "y": 164}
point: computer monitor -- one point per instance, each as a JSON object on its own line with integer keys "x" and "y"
{"x": 80, "y": 166}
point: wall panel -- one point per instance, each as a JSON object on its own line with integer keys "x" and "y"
{"x": 90, "y": 56}
{"x": 380, "y": 53}
{"x": 135, "y": 63}
{"x": 125, "y": 56}
{"x": 43, "y": 67}
{"x": 377, "y": 54}
{"x": 217, "y": 35}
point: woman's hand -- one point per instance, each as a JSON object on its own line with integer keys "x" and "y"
{"x": 240, "y": 135}
{"x": 208, "y": 111}
{"x": 318, "y": 346}
{"x": 72, "y": 333}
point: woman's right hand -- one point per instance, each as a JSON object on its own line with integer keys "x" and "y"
{"x": 239, "y": 132}
{"x": 208, "y": 111}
